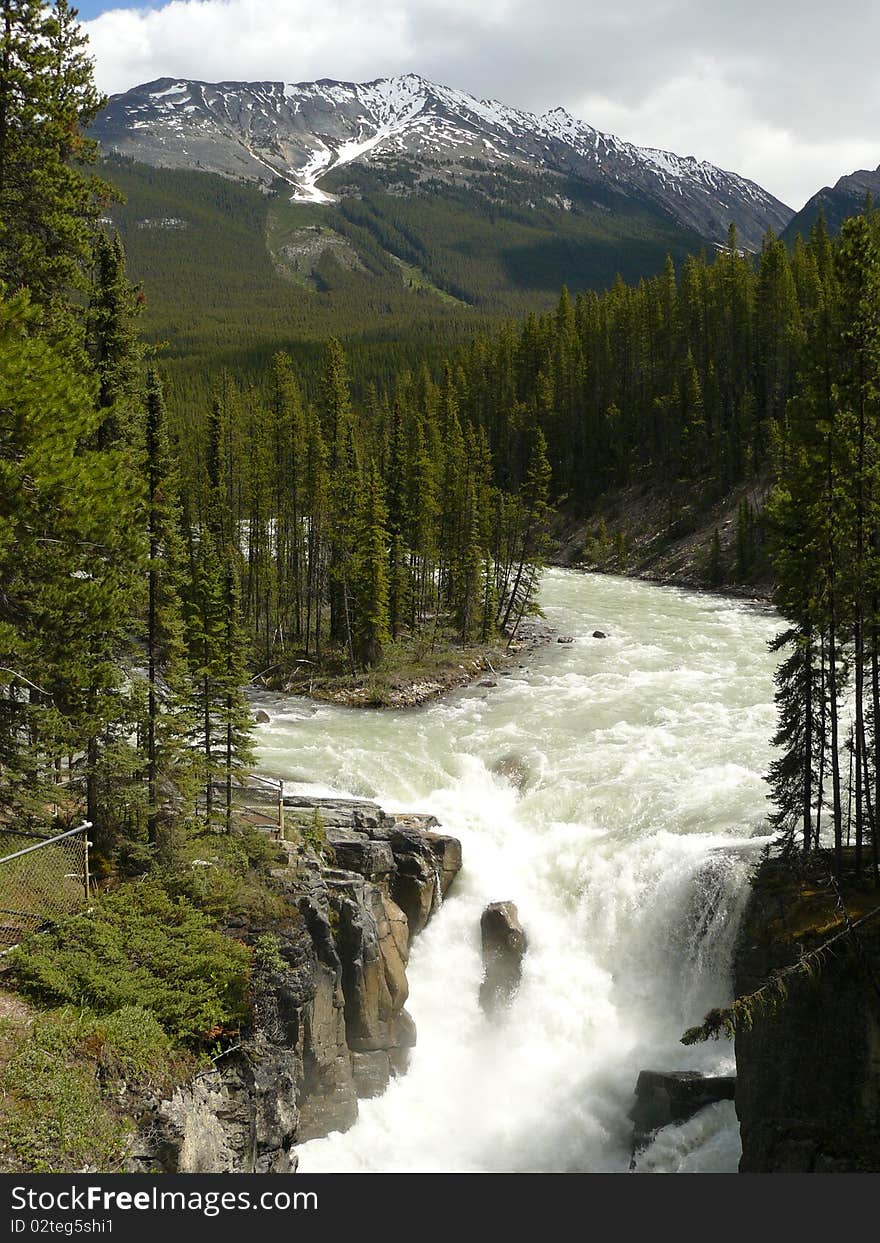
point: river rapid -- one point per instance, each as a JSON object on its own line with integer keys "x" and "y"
{"x": 627, "y": 853}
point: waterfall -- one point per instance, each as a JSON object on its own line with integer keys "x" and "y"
{"x": 627, "y": 853}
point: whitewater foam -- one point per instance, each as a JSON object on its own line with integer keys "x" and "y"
{"x": 626, "y": 853}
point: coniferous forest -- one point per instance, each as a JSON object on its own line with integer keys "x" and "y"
{"x": 155, "y": 560}
{"x": 152, "y": 564}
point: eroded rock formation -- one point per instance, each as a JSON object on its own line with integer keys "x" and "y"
{"x": 330, "y": 1023}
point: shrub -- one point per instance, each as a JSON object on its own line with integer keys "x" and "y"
{"x": 314, "y": 834}
{"x": 141, "y": 947}
{"x": 53, "y": 1117}
{"x": 130, "y": 1044}
{"x": 267, "y": 954}
{"x": 223, "y": 874}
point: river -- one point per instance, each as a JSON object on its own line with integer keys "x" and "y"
{"x": 626, "y": 852}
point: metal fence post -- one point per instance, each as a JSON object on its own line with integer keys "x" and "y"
{"x": 87, "y": 880}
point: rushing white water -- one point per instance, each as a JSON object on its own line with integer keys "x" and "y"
{"x": 626, "y": 854}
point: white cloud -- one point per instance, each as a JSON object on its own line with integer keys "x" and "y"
{"x": 702, "y": 114}
{"x": 788, "y": 97}
{"x": 248, "y": 40}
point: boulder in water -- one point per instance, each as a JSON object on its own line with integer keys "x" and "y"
{"x": 504, "y": 945}
{"x": 599, "y": 634}
{"x": 261, "y": 717}
{"x": 565, "y": 638}
{"x": 667, "y": 1096}
{"x": 513, "y": 768}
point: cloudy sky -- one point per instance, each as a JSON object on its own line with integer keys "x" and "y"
{"x": 786, "y": 91}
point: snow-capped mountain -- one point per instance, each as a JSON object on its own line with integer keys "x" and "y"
{"x": 264, "y": 131}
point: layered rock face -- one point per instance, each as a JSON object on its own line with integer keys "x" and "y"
{"x": 808, "y": 1070}
{"x": 330, "y": 1023}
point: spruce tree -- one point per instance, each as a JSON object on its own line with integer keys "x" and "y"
{"x": 49, "y": 206}
{"x": 169, "y": 693}
{"x": 371, "y": 571}
{"x": 69, "y": 541}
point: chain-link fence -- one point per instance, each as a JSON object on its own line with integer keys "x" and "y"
{"x": 257, "y": 801}
{"x": 41, "y": 878}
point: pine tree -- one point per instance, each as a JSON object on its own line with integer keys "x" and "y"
{"x": 858, "y": 392}
{"x": 169, "y": 693}
{"x": 533, "y": 513}
{"x": 115, "y": 350}
{"x": 370, "y": 572}
{"x": 49, "y": 206}
{"x": 398, "y": 569}
{"x": 336, "y": 418}
{"x": 205, "y": 636}
{"x": 116, "y": 356}
{"x": 237, "y": 721}
{"x": 69, "y": 546}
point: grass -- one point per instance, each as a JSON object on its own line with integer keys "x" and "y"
{"x": 71, "y": 1083}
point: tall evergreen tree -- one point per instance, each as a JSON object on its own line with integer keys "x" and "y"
{"x": 49, "y": 205}
{"x": 169, "y": 694}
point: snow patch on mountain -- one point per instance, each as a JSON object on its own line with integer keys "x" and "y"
{"x": 302, "y": 131}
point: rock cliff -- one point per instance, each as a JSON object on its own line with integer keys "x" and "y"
{"x": 808, "y": 1069}
{"x": 329, "y": 992}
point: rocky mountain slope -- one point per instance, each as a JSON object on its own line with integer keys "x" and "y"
{"x": 411, "y": 132}
{"x": 845, "y": 198}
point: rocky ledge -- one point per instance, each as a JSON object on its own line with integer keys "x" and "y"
{"x": 669, "y": 1097}
{"x": 808, "y": 1063}
{"x": 330, "y": 1023}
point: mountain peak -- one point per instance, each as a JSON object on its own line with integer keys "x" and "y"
{"x": 299, "y": 132}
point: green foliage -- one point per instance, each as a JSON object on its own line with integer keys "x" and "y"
{"x": 371, "y": 571}
{"x": 597, "y": 544}
{"x": 141, "y": 947}
{"x": 225, "y": 875}
{"x": 66, "y": 1082}
{"x": 824, "y": 527}
{"x": 69, "y": 551}
{"x": 54, "y": 1117}
{"x": 267, "y": 954}
{"x": 48, "y": 204}
{"x": 313, "y": 833}
{"x": 131, "y": 1045}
